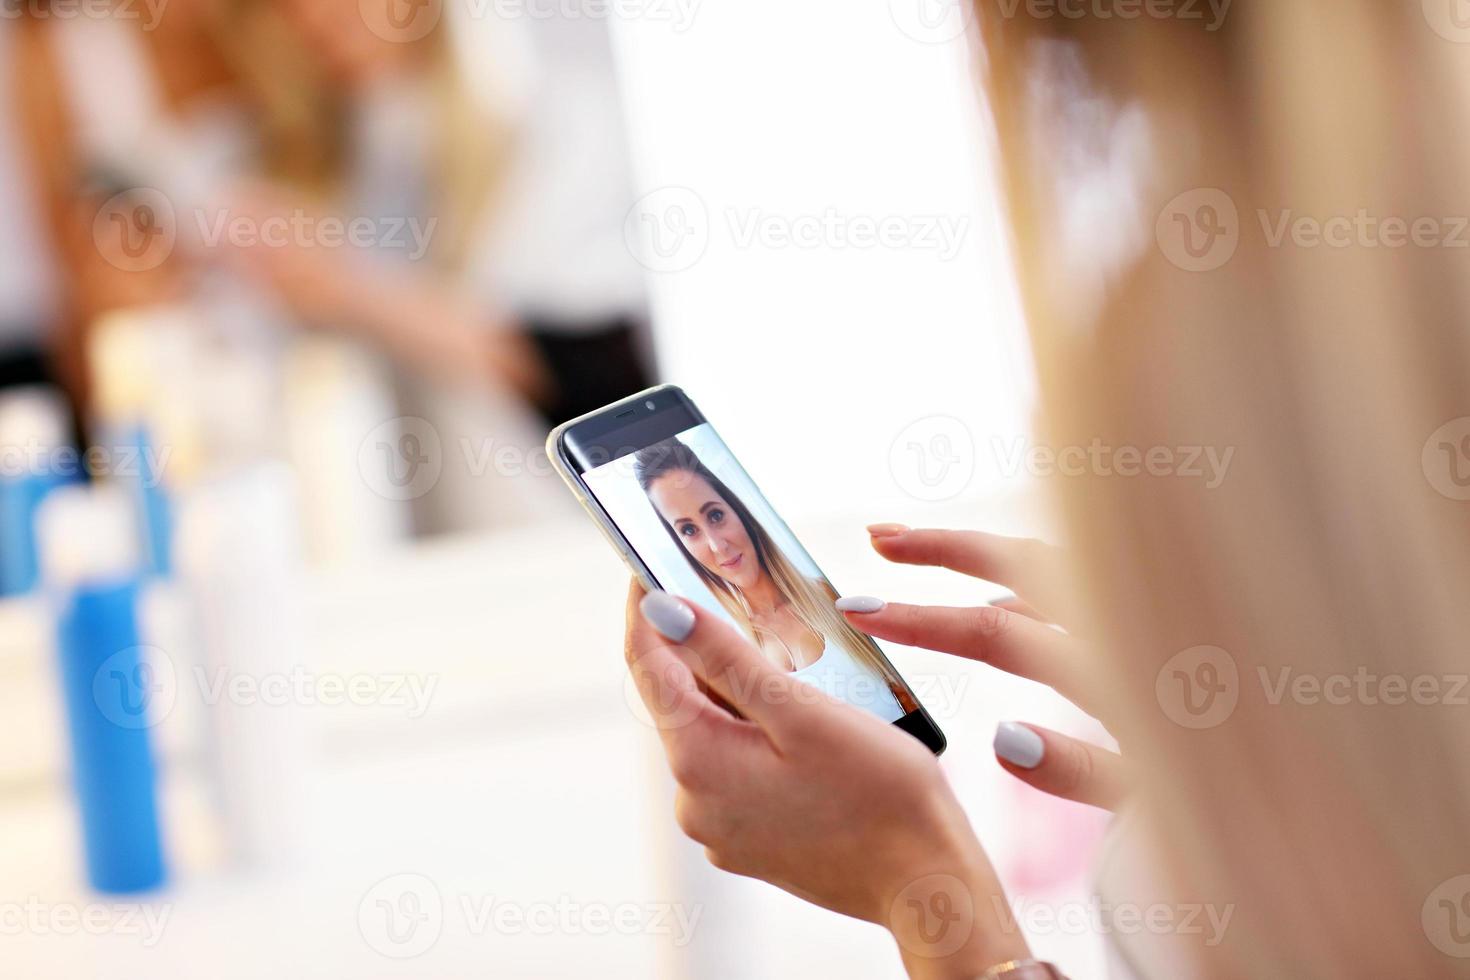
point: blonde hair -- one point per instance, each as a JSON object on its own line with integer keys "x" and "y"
{"x": 811, "y": 600}
{"x": 1332, "y": 546}
{"x": 303, "y": 119}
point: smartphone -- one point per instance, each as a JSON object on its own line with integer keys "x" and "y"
{"x": 686, "y": 517}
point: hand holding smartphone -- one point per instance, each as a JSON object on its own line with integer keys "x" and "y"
{"x": 688, "y": 519}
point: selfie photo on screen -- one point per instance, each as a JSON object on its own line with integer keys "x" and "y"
{"x": 707, "y": 533}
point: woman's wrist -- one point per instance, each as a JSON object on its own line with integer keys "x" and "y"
{"x": 953, "y": 924}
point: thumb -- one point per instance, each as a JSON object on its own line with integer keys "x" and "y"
{"x": 730, "y": 664}
{"x": 1062, "y": 766}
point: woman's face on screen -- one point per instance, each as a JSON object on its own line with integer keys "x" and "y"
{"x": 707, "y": 525}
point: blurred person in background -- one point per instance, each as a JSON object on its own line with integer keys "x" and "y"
{"x": 1280, "y": 833}
{"x": 496, "y": 273}
{"x": 27, "y": 293}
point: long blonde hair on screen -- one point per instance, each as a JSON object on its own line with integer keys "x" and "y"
{"x": 1332, "y": 544}
{"x": 811, "y": 599}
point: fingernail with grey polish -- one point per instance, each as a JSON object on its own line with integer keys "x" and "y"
{"x": 860, "y": 604}
{"x": 668, "y": 615}
{"x": 1019, "y": 745}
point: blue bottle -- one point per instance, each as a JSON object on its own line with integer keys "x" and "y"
{"x": 20, "y": 498}
{"x": 114, "y": 688}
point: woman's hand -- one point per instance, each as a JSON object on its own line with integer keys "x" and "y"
{"x": 404, "y": 307}
{"x": 1014, "y": 635}
{"x": 812, "y": 795}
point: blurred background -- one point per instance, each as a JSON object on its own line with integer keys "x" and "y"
{"x": 310, "y": 662}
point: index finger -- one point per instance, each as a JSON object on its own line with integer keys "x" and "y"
{"x": 1024, "y": 565}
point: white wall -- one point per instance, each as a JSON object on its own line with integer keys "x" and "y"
{"x": 816, "y": 359}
